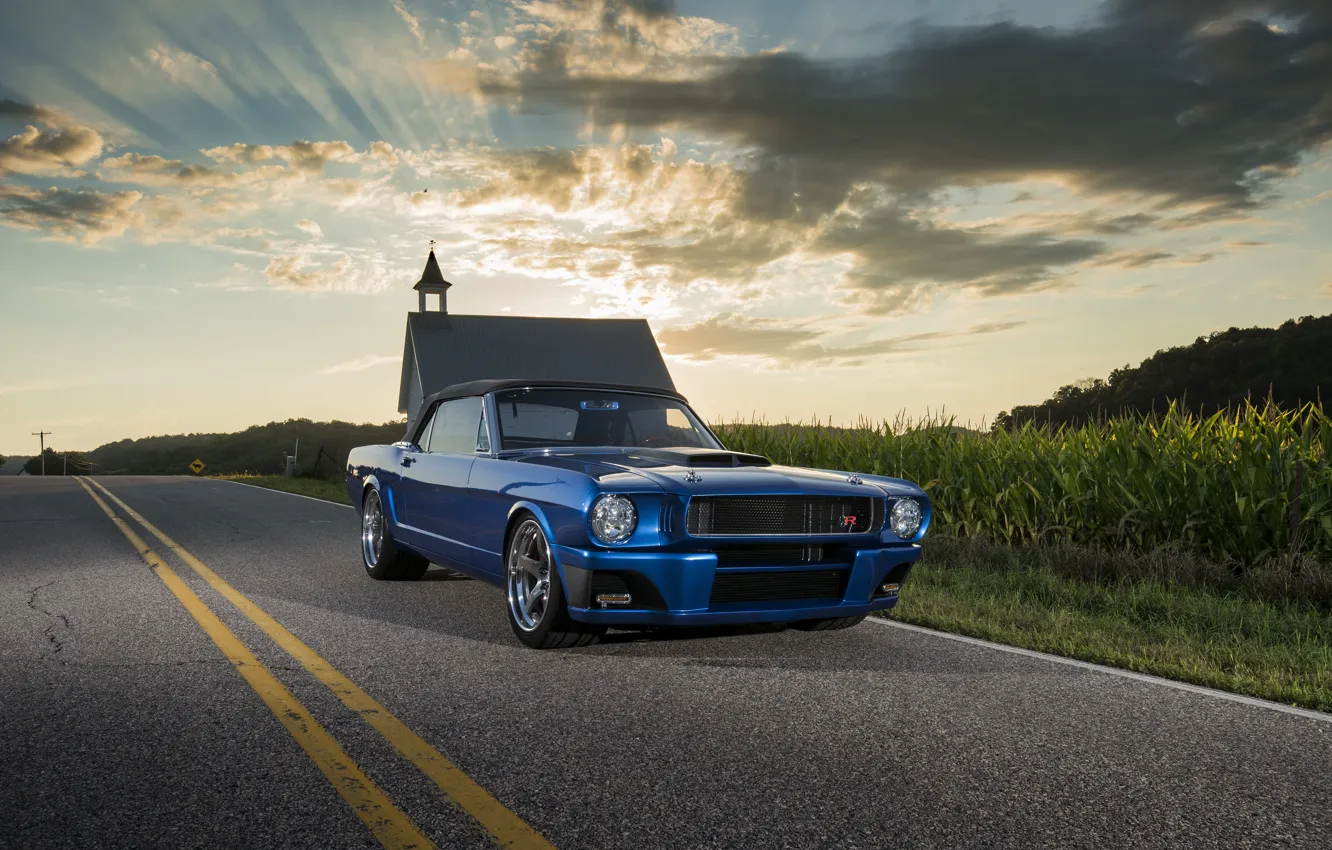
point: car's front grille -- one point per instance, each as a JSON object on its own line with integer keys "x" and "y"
{"x": 783, "y": 586}
{"x": 725, "y": 516}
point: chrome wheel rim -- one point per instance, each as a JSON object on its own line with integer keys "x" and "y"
{"x": 529, "y": 576}
{"x": 372, "y": 530}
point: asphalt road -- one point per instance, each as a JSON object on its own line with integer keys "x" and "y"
{"x": 123, "y": 725}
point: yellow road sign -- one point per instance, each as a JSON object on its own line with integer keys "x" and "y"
{"x": 197, "y": 466}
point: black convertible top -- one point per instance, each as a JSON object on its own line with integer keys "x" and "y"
{"x": 489, "y": 385}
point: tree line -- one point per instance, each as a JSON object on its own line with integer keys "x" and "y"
{"x": 1288, "y": 365}
{"x": 52, "y": 462}
{"x": 260, "y": 449}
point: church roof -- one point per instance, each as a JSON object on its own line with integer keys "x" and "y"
{"x": 432, "y": 278}
{"x": 443, "y": 349}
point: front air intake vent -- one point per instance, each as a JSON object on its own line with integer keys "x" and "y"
{"x": 784, "y": 586}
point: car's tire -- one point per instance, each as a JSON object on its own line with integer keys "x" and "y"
{"x": 828, "y": 625}
{"x": 381, "y": 556}
{"x": 534, "y": 595}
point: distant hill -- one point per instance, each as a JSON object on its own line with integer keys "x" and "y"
{"x": 1293, "y": 363}
{"x": 258, "y": 449}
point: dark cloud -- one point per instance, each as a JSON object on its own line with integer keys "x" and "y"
{"x": 900, "y": 254}
{"x": 547, "y": 175}
{"x": 1197, "y": 101}
{"x": 36, "y": 151}
{"x": 69, "y": 214}
{"x": 51, "y": 151}
{"x": 25, "y": 111}
{"x": 613, "y": 10}
{"x": 796, "y": 344}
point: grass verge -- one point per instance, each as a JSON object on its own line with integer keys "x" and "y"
{"x": 1031, "y": 597}
{"x": 329, "y": 491}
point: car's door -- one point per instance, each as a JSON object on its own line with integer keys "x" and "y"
{"x": 437, "y": 507}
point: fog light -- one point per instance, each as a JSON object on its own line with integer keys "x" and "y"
{"x": 604, "y": 599}
{"x": 889, "y": 588}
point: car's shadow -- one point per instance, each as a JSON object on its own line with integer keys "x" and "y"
{"x": 657, "y": 634}
{"x": 451, "y": 603}
{"x": 443, "y": 574}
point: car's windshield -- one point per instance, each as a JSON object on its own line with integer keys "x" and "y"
{"x": 539, "y": 418}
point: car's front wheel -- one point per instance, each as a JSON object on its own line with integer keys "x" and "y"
{"x": 381, "y": 556}
{"x": 536, "y": 604}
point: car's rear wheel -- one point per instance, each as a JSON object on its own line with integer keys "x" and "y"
{"x": 536, "y": 603}
{"x": 382, "y": 558}
{"x": 828, "y": 625}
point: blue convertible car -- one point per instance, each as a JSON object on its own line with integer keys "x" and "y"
{"x": 596, "y": 505}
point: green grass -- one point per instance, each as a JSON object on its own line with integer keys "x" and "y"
{"x": 319, "y": 488}
{"x": 1238, "y": 641}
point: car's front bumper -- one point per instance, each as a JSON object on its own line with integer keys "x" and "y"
{"x": 677, "y": 587}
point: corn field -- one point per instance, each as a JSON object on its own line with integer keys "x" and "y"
{"x": 1239, "y": 486}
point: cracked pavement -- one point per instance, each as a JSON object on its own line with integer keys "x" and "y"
{"x": 123, "y": 725}
{"x": 57, "y": 619}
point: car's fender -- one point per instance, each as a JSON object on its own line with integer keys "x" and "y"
{"x": 523, "y": 505}
{"x": 373, "y": 465}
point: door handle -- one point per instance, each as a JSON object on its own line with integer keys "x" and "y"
{"x": 408, "y": 461}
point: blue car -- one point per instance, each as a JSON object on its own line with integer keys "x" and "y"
{"x": 598, "y": 505}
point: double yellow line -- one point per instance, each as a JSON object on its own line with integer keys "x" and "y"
{"x": 389, "y": 824}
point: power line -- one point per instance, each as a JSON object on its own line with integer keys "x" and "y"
{"x": 41, "y": 435}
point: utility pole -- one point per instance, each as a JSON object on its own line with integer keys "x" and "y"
{"x": 64, "y": 468}
{"x": 41, "y": 435}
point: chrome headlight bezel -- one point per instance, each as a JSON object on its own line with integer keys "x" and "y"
{"x": 612, "y": 519}
{"x": 906, "y": 517}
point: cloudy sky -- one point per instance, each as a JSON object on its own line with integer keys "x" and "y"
{"x": 212, "y": 213}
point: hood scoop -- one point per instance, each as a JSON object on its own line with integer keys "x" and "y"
{"x": 703, "y": 458}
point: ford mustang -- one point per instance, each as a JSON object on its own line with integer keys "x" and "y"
{"x": 597, "y": 505}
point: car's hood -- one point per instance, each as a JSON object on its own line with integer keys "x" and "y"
{"x": 704, "y": 472}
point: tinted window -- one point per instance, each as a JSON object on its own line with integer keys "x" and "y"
{"x": 455, "y": 426}
{"x": 552, "y": 418}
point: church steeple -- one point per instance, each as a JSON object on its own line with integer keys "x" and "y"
{"x": 433, "y": 282}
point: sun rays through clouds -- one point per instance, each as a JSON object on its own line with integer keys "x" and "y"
{"x": 758, "y": 196}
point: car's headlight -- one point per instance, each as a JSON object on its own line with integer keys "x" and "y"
{"x": 906, "y": 518}
{"x": 613, "y": 518}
